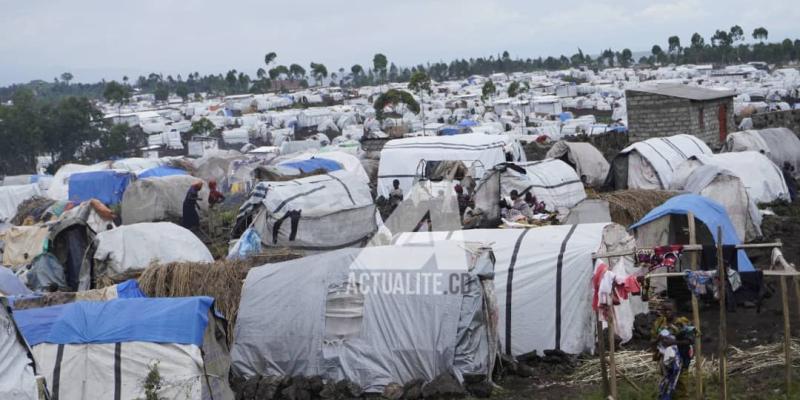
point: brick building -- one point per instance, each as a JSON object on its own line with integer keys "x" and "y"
{"x": 670, "y": 109}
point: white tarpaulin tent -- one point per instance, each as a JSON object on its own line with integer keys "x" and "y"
{"x": 134, "y": 247}
{"x": 650, "y": 164}
{"x": 17, "y": 375}
{"x": 373, "y": 316}
{"x": 543, "y": 282}
{"x": 59, "y": 187}
{"x": 106, "y": 349}
{"x": 159, "y": 199}
{"x": 780, "y": 145}
{"x": 320, "y": 212}
{"x": 550, "y": 180}
{"x": 584, "y": 158}
{"x": 349, "y": 162}
{"x": 12, "y": 196}
{"x": 401, "y": 158}
{"x": 760, "y": 176}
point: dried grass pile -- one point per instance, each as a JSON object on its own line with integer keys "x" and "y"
{"x": 637, "y": 365}
{"x": 629, "y": 206}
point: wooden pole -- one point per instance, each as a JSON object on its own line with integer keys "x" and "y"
{"x": 698, "y": 353}
{"x": 612, "y": 365}
{"x": 787, "y": 334}
{"x": 601, "y": 344}
{"x": 723, "y": 322}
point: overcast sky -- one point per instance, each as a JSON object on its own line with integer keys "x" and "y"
{"x": 97, "y": 39}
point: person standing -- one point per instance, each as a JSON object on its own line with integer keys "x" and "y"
{"x": 191, "y": 218}
{"x": 672, "y": 337}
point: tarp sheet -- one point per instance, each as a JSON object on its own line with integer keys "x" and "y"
{"x": 780, "y": 145}
{"x": 10, "y": 284}
{"x": 418, "y": 329}
{"x": 584, "y": 158}
{"x": 550, "y": 180}
{"x": 157, "y": 320}
{"x": 712, "y": 214}
{"x": 12, "y": 196}
{"x": 17, "y": 379}
{"x": 651, "y": 163}
{"x": 313, "y": 164}
{"x": 159, "y": 199}
{"x": 23, "y": 243}
{"x": 161, "y": 171}
{"x": 106, "y": 186}
{"x": 543, "y": 282}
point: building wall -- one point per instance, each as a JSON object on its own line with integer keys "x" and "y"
{"x": 778, "y": 119}
{"x": 653, "y": 115}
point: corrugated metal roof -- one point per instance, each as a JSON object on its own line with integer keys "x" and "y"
{"x": 685, "y": 91}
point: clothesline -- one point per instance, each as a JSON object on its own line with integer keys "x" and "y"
{"x": 685, "y": 247}
{"x": 766, "y": 273}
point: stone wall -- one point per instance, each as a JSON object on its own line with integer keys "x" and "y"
{"x": 652, "y": 115}
{"x": 778, "y": 119}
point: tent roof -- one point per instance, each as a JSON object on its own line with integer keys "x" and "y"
{"x": 685, "y": 91}
{"x": 711, "y": 213}
{"x": 180, "y": 320}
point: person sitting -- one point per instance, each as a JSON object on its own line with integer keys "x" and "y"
{"x": 214, "y": 196}
{"x": 464, "y": 200}
{"x": 396, "y": 194}
{"x": 791, "y": 183}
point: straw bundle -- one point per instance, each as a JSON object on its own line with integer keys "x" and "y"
{"x": 629, "y": 206}
{"x": 637, "y": 365}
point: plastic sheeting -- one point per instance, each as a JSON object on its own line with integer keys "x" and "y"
{"x": 10, "y": 284}
{"x": 45, "y": 273}
{"x": 780, "y": 145}
{"x": 313, "y": 164}
{"x": 651, "y": 163}
{"x": 584, "y": 158}
{"x": 12, "y": 196}
{"x": 348, "y": 323}
{"x": 160, "y": 172}
{"x": 23, "y": 243}
{"x": 157, "y": 320}
{"x": 550, "y": 180}
{"x": 331, "y": 211}
{"x": 106, "y": 186}
{"x": 760, "y": 176}
{"x": 159, "y": 199}
{"x": 542, "y": 282}
{"x": 400, "y": 158}
{"x": 17, "y": 377}
{"x": 59, "y": 187}
{"x": 712, "y": 214}
{"x": 134, "y": 247}
{"x": 348, "y": 162}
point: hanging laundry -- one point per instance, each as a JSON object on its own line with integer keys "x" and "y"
{"x": 660, "y": 257}
{"x": 700, "y": 281}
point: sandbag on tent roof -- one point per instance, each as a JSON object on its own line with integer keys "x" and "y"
{"x": 584, "y": 158}
{"x": 414, "y": 328}
{"x": 12, "y": 196}
{"x": 18, "y": 377}
{"x": 159, "y": 199}
{"x": 105, "y": 349}
{"x": 320, "y": 212}
{"x": 133, "y": 247}
{"x": 650, "y": 164}
{"x": 543, "y": 282}
{"x": 780, "y": 145}
{"x": 657, "y": 228}
{"x": 400, "y": 158}
{"x": 761, "y": 177}
{"x": 550, "y": 180}
{"x": 106, "y": 186}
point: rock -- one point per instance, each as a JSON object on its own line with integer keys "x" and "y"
{"x": 328, "y": 391}
{"x": 413, "y": 390}
{"x": 444, "y": 386}
{"x": 315, "y": 385}
{"x": 393, "y": 391}
{"x": 348, "y": 389}
{"x": 269, "y": 387}
{"x": 474, "y": 378}
{"x": 248, "y": 389}
{"x": 481, "y": 389}
{"x": 524, "y": 371}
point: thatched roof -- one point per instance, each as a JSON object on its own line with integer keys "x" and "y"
{"x": 628, "y": 206}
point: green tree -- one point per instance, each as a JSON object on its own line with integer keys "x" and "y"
{"x": 276, "y": 72}
{"x": 66, "y": 77}
{"x": 319, "y": 71}
{"x": 394, "y": 97}
{"x": 72, "y": 126}
{"x": 202, "y": 126}
{"x": 674, "y": 43}
{"x": 269, "y": 58}
{"x": 760, "y": 33}
{"x": 420, "y": 82}
{"x": 736, "y": 34}
{"x": 626, "y": 57}
{"x": 161, "y": 93}
{"x": 115, "y": 93}
{"x": 260, "y": 73}
{"x": 513, "y": 89}
{"x": 182, "y": 91}
{"x": 21, "y": 133}
{"x": 488, "y": 89}
{"x": 379, "y": 64}
{"x": 297, "y": 72}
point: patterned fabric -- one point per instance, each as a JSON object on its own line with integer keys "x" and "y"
{"x": 258, "y": 195}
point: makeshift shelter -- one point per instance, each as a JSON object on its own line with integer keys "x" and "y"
{"x": 160, "y": 172}
{"x": 321, "y": 212}
{"x": 106, "y": 349}
{"x": 10, "y": 284}
{"x": 59, "y": 187}
{"x": 761, "y": 178}
{"x": 405, "y": 159}
{"x": 666, "y": 224}
{"x": 550, "y": 180}
{"x": 123, "y": 290}
{"x": 159, "y": 199}
{"x": 12, "y": 196}
{"x": 347, "y": 322}
{"x": 22, "y": 244}
{"x": 106, "y": 186}
{"x": 584, "y": 158}
{"x": 780, "y": 145}
{"x": 650, "y": 164}
{"x": 347, "y": 162}
{"x": 542, "y": 282}
{"x": 129, "y": 248}
{"x": 18, "y": 371}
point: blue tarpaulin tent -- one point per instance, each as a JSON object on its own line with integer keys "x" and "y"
{"x": 313, "y": 164}
{"x": 467, "y": 123}
{"x": 156, "y": 320}
{"x": 161, "y": 171}
{"x": 449, "y": 131}
{"x": 106, "y": 186}
{"x": 711, "y": 213}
